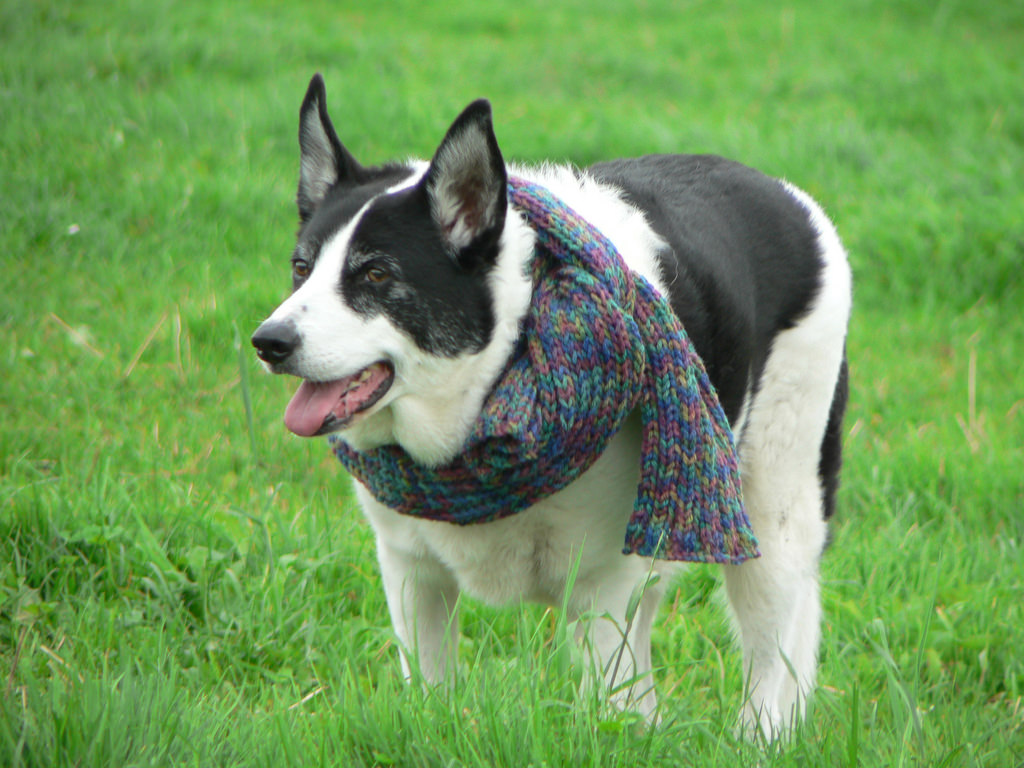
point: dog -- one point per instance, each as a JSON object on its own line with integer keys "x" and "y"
{"x": 410, "y": 283}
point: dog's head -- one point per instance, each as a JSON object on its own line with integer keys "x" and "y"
{"x": 392, "y": 277}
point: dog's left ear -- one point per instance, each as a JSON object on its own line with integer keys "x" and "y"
{"x": 324, "y": 160}
{"x": 466, "y": 185}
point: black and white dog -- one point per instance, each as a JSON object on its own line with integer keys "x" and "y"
{"x": 409, "y": 284}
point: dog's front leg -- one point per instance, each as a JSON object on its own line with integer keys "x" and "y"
{"x": 615, "y": 630}
{"x": 422, "y": 598}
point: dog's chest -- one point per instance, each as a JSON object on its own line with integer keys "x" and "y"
{"x": 527, "y": 556}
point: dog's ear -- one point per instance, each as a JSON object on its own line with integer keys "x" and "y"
{"x": 466, "y": 186}
{"x": 324, "y": 161}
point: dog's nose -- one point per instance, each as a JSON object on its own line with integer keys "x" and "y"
{"x": 275, "y": 341}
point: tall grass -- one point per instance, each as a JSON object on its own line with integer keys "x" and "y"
{"x": 181, "y": 583}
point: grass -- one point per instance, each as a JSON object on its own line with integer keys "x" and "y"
{"x": 179, "y": 588}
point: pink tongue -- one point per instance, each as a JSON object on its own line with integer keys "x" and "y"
{"x": 311, "y": 404}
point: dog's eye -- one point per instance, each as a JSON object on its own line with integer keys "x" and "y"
{"x": 300, "y": 268}
{"x": 377, "y": 275}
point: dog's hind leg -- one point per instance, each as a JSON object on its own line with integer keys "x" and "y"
{"x": 776, "y": 598}
{"x": 422, "y": 598}
{"x": 776, "y": 602}
{"x": 789, "y": 451}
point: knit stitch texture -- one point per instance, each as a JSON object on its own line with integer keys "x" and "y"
{"x": 598, "y": 342}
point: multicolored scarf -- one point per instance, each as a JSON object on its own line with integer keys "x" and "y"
{"x": 598, "y": 342}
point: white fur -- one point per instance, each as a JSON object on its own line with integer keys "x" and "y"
{"x": 431, "y": 407}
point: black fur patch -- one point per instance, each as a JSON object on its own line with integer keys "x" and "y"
{"x": 742, "y": 263}
{"x": 444, "y": 306}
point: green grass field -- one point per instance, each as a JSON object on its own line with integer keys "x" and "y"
{"x": 182, "y": 583}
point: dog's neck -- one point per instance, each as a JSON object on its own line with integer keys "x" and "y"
{"x": 433, "y": 422}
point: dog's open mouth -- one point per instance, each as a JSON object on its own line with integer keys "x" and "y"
{"x": 319, "y": 407}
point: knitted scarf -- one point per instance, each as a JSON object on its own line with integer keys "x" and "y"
{"x": 598, "y": 341}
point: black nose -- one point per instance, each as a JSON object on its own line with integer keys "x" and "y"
{"x": 275, "y": 341}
